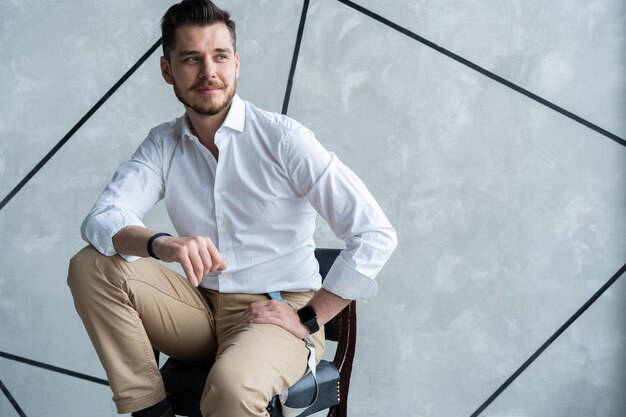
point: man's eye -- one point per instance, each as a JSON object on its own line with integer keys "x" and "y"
{"x": 221, "y": 57}
{"x": 192, "y": 59}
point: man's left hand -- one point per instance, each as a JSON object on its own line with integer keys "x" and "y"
{"x": 275, "y": 312}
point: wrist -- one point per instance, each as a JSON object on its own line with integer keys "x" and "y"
{"x": 308, "y": 319}
{"x": 151, "y": 244}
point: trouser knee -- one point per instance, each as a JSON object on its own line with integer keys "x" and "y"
{"x": 89, "y": 269}
{"x": 233, "y": 391}
{"x": 84, "y": 260}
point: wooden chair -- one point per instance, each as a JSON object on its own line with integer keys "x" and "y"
{"x": 184, "y": 382}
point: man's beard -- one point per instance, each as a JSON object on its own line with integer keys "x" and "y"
{"x": 210, "y": 107}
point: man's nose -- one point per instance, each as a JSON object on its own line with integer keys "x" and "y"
{"x": 208, "y": 68}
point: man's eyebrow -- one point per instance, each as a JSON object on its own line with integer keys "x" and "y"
{"x": 188, "y": 52}
{"x": 194, "y": 52}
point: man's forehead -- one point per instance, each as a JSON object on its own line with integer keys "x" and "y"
{"x": 214, "y": 36}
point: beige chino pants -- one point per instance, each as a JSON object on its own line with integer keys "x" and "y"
{"x": 129, "y": 308}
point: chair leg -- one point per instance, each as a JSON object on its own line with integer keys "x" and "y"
{"x": 338, "y": 410}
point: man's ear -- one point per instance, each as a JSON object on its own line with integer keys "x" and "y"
{"x": 166, "y": 71}
{"x": 237, "y": 65}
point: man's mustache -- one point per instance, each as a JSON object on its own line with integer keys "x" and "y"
{"x": 204, "y": 84}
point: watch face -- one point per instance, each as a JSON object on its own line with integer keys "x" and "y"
{"x": 307, "y": 314}
{"x": 309, "y": 318}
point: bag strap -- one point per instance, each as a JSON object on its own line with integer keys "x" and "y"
{"x": 289, "y": 411}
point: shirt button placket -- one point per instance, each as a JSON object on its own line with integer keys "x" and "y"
{"x": 224, "y": 240}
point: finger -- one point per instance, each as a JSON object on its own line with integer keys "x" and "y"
{"x": 206, "y": 259}
{"x": 261, "y": 319}
{"x": 198, "y": 265}
{"x": 266, "y": 320}
{"x": 216, "y": 258}
{"x": 260, "y": 304}
{"x": 263, "y": 314}
{"x": 246, "y": 317}
{"x": 188, "y": 269}
{"x": 259, "y": 309}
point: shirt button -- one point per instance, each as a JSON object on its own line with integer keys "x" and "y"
{"x": 222, "y": 224}
{"x": 219, "y": 190}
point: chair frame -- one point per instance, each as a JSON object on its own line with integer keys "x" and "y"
{"x": 341, "y": 329}
{"x": 344, "y": 357}
{"x": 343, "y": 325}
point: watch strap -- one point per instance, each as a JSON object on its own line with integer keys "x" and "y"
{"x": 311, "y": 322}
{"x": 151, "y": 241}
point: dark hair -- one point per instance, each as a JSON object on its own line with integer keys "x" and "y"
{"x": 193, "y": 12}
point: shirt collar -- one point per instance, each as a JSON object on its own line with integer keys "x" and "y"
{"x": 235, "y": 119}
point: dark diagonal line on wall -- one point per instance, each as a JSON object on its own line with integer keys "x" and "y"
{"x": 485, "y": 72}
{"x": 78, "y": 125}
{"x": 552, "y": 338}
{"x": 546, "y": 103}
{"x": 14, "y": 403}
{"x": 53, "y": 368}
{"x": 294, "y": 59}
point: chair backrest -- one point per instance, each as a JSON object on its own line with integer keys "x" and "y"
{"x": 341, "y": 329}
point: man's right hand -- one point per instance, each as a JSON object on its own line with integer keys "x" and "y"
{"x": 197, "y": 255}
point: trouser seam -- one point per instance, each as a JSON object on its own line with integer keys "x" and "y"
{"x": 135, "y": 278}
{"x": 203, "y": 308}
{"x": 147, "y": 352}
{"x": 138, "y": 324}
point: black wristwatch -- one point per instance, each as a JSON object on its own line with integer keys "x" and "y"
{"x": 309, "y": 318}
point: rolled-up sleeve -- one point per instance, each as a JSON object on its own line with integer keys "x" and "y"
{"x": 136, "y": 187}
{"x": 350, "y": 210}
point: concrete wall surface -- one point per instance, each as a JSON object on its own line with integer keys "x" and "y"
{"x": 510, "y": 214}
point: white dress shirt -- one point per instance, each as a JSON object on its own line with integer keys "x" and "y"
{"x": 258, "y": 204}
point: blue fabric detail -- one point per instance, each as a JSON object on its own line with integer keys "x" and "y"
{"x": 275, "y": 295}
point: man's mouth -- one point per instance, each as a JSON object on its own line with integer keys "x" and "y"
{"x": 205, "y": 87}
{"x": 208, "y": 90}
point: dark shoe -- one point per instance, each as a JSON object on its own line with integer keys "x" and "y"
{"x": 153, "y": 411}
{"x": 169, "y": 413}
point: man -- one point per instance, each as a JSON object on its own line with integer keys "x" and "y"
{"x": 242, "y": 187}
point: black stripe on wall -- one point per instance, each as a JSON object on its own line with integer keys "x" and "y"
{"x": 294, "y": 59}
{"x": 78, "y": 125}
{"x": 548, "y": 342}
{"x": 483, "y": 71}
{"x": 53, "y": 368}
{"x": 14, "y": 403}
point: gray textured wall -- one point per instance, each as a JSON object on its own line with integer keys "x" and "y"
{"x": 510, "y": 215}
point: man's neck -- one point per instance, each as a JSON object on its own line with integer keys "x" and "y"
{"x": 204, "y": 127}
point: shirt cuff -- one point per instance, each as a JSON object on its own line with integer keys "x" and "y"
{"x": 100, "y": 229}
{"x": 348, "y": 283}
